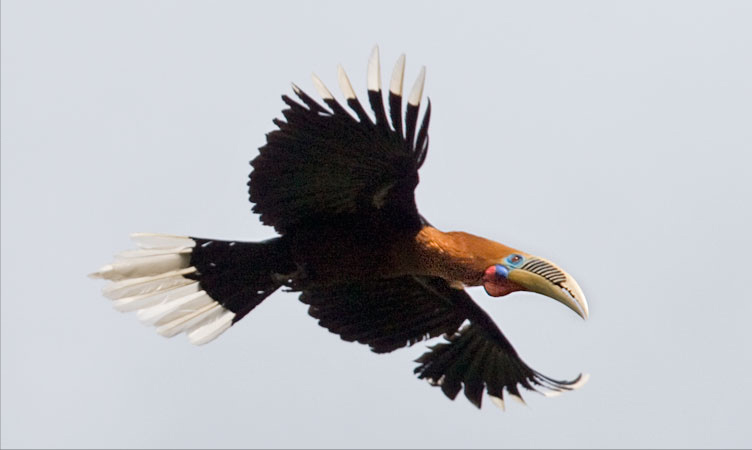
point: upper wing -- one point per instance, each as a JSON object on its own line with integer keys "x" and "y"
{"x": 325, "y": 162}
{"x": 392, "y": 313}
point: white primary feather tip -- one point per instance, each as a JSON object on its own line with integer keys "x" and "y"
{"x": 552, "y": 394}
{"x": 581, "y": 382}
{"x": 398, "y": 76}
{"x": 518, "y": 399}
{"x": 152, "y": 280}
{"x": 498, "y": 402}
{"x": 344, "y": 83}
{"x": 417, "y": 92}
{"x": 321, "y": 88}
{"x": 374, "y": 71}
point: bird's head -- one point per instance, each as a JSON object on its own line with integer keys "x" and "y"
{"x": 519, "y": 271}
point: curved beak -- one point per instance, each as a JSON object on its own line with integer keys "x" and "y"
{"x": 546, "y": 278}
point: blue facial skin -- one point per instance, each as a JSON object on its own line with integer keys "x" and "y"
{"x": 512, "y": 261}
{"x": 502, "y": 271}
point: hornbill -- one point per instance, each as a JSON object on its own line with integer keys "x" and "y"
{"x": 339, "y": 190}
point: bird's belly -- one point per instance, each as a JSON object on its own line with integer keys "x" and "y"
{"x": 345, "y": 257}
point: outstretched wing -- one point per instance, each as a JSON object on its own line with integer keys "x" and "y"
{"x": 392, "y": 313}
{"x": 322, "y": 162}
{"x": 384, "y": 314}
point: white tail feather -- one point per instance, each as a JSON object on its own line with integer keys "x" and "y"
{"x": 154, "y": 240}
{"x": 209, "y": 331}
{"x": 187, "y": 308}
{"x": 173, "y": 308}
{"x": 137, "y": 302}
{"x": 145, "y": 285}
{"x": 126, "y": 268}
{"x": 142, "y": 252}
{"x": 152, "y": 281}
{"x": 196, "y": 318}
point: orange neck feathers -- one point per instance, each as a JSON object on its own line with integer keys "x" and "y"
{"x": 454, "y": 256}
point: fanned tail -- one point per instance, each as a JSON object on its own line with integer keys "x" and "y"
{"x": 197, "y": 286}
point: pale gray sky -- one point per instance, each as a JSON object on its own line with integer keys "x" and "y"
{"x": 613, "y": 138}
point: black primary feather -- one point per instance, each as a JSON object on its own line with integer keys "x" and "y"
{"x": 480, "y": 358}
{"x": 395, "y": 111}
{"x": 377, "y": 105}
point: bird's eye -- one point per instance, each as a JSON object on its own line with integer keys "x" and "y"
{"x": 514, "y": 259}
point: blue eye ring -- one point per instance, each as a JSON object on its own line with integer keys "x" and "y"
{"x": 515, "y": 260}
{"x": 501, "y": 271}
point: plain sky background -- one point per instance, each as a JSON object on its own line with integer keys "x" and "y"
{"x": 613, "y": 138}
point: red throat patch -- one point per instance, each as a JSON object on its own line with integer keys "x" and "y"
{"x": 497, "y": 286}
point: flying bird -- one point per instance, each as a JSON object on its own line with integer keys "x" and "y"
{"x": 338, "y": 187}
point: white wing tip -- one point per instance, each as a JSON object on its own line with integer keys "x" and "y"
{"x": 584, "y": 378}
{"x": 344, "y": 83}
{"x": 417, "y": 93}
{"x": 398, "y": 76}
{"x": 498, "y": 402}
{"x": 374, "y": 70}
{"x": 582, "y": 381}
{"x": 321, "y": 88}
{"x": 518, "y": 399}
